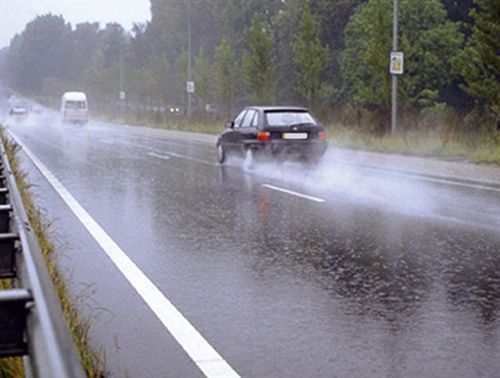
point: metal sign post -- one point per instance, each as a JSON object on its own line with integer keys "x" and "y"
{"x": 394, "y": 102}
{"x": 188, "y": 86}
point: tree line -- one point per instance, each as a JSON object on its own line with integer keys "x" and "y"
{"x": 322, "y": 53}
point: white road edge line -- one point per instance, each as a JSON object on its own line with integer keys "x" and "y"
{"x": 453, "y": 183}
{"x": 154, "y": 154}
{"x": 311, "y": 198}
{"x": 443, "y": 180}
{"x": 208, "y": 360}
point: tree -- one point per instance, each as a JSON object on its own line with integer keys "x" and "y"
{"x": 309, "y": 56}
{"x": 458, "y": 10}
{"x": 112, "y": 42}
{"x": 202, "y": 78}
{"x": 151, "y": 77}
{"x": 428, "y": 39}
{"x": 226, "y": 74}
{"x": 259, "y": 62}
{"x": 140, "y": 51}
{"x": 333, "y": 16}
{"x": 364, "y": 60}
{"x": 181, "y": 65}
{"x": 479, "y": 62}
{"x": 100, "y": 82}
{"x": 430, "y": 42}
{"x": 168, "y": 29}
{"x": 86, "y": 41}
{"x": 142, "y": 84}
{"x": 232, "y": 15}
{"x": 42, "y": 50}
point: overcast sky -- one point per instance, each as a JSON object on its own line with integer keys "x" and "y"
{"x": 15, "y": 14}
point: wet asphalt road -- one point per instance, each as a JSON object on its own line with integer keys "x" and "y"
{"x": 372, "y": 275}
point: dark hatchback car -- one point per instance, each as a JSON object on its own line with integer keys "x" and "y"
{"x": 287, "y": 133}
{"x": 18, "y": 112}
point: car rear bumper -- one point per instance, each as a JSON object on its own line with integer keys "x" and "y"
{"x": 76, "y": 119}
{"x": 299, "y": 149}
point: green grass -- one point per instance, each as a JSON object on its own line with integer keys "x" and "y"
{"x": 92, "y": 361}
{"x": 477, "y": 148}
{"x": 11, "y": 367}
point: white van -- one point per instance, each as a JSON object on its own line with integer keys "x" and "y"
{"x": 74, "y": 107}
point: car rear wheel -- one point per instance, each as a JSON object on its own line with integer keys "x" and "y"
{"x": 221, "y": 154}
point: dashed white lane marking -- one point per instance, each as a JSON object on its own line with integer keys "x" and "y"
{"x": 107, "y": 141}
{"x": 311, "y": 198}
{"x": 154, "y": 154}
{"x": 170, "y": 153}
{"x": 208, "y": 360}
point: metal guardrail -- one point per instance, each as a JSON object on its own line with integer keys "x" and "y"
{"x": 31, "y": 320}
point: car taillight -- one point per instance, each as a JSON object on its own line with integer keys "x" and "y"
{"x": 263, "y": 136}
{"x": 322, "y": 135}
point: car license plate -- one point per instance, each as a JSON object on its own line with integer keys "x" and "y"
{"x": 295, "y": 136}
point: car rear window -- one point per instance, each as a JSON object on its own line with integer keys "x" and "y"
{"x": 288, "y": 118}
{"x": 75, "y": 105}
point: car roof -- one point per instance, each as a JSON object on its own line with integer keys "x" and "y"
{"x": 75, "y": 96}
{"x": 278, "y": 108}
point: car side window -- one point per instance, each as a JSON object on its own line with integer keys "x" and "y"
{"x": 248, "y": 118}
{"x": 255, "y": 121}
{"x": 238, "y": 119}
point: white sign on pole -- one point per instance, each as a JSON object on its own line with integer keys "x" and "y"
{"x": 396, "y": 66}
{"x": 122, "y": 95}
{"x": 190, "y": 86}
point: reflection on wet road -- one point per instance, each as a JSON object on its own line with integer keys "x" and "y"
{"x": 292, "y": 271}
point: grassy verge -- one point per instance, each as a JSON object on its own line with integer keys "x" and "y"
{"x": 11, "y": 366}
{"x": 443, "y": 144}
{"x": 478, "y": 149}
{"x": 93, "y": 362}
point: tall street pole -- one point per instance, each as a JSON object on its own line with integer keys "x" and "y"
{"x": 121, "y": 93}
{"x": 189, "y": 61}
{"x": 394, "y": 102}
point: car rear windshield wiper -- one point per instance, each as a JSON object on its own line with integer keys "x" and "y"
{"x": 302, "y": 124}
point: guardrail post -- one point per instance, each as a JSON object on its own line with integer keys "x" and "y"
{"x": 13, "y": 313}
{"x": 3, "y": 195}
{"x": 5, "y": 211}
{"x": 8, "y": 248}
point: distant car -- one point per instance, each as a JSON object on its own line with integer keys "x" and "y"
{"x": 174, "y": 110}
{"x": 275, "y": 132}
{"x": 18, "y": 112}
{"x": 211, "y": 109}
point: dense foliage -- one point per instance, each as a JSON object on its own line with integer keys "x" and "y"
{"x": 479, "y": 62}
{"x": 323, "y": 53}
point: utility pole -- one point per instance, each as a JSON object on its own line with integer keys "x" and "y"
{"x": 189, "y": 91}
{"x": 394, "y": 102}
{"x": 121, "y": 94}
